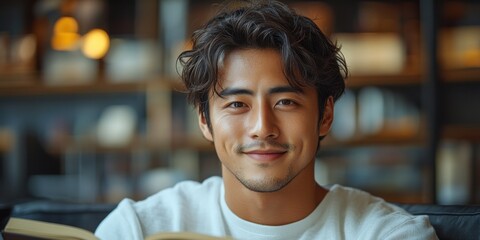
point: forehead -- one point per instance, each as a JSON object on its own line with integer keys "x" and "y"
{"x": 251, "y": 67}
{"x": 256, "y": 72}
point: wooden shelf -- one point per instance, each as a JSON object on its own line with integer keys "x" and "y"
{"x": 460, "y": 132}
{"x": 462, "y": 75}
{"x": 92, "y": 146}
{"x": 383, "y": 138}
{"x": 384, "y": 80}
{"x": 34, "y": 87}
{"x": 401, "y": 79}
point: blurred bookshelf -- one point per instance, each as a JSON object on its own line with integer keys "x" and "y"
{"x": 57, "y": 106}
{"x": 34, "y": 86}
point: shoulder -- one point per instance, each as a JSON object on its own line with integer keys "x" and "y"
{"x": 356, "y": 199}
{"x": 363, "y": 204}
{"x": 156, "y": 212}
{"x": 210, "y": 185}
{"x": 120, "y": 223}
{"x": 375, "y": 217}
{"x": 181, "y": 196}
{"x": 185, "y": 190}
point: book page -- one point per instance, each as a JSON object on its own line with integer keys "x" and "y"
{"x": 47, "y": 230}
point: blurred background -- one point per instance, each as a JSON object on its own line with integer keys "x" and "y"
{"x": 92, "y": 110}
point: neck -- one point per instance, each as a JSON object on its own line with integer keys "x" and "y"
{"x": 292, "y": 203}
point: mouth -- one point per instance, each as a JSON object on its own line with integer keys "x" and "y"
{"x": 265, "y": 155}
{"x": 264, "y": 151}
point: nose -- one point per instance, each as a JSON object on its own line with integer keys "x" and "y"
{"x": 263, "y": 124}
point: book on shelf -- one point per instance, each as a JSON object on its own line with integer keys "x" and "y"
{"x": 26, "y": 229}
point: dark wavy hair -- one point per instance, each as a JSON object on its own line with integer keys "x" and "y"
{"x": 309, "y": 58}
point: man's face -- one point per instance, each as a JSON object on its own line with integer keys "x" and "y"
{"x": 265, "y": 132}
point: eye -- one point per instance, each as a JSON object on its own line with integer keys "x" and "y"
{"x": 236, "y": 105}
{"x": 286, "y": 102}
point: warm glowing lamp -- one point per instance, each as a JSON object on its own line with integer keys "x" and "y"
{"x": 96, "y": 43}
{"x": 65, "y": 34}
{"x": 472, "y": 58}
{"x": 66, "y": 25}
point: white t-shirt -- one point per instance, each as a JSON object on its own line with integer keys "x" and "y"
{"x": 344, "y": 213}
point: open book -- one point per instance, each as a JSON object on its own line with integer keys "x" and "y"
{"x": 26, "y": 229}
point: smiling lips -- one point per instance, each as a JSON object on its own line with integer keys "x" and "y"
{"x": 265, "y": 155}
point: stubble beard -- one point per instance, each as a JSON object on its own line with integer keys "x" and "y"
{"x": 265, "y": 184}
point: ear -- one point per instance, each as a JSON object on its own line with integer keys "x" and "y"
{"x": 326, "y": 122}
{"x": 202, "y": 123}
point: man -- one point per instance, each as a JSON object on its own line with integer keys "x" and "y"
{"x": 264, "y": 81}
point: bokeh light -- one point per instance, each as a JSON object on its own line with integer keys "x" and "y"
{"x": 65, "y": 34}
{"x": 96, "y": 44}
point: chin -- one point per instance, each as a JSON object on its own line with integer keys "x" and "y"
{"x": 265, "y": 185}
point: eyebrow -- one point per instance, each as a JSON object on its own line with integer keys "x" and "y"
{"x": 240, "y": 91}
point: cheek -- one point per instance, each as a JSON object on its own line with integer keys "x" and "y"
{"x": 304, "y": 123}
{"x": 226, "y": 128}
{"x": 303, "y": 132}
{"x": 227, "y": 136}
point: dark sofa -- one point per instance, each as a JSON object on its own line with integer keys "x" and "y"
{"x": 450, "y": 222}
